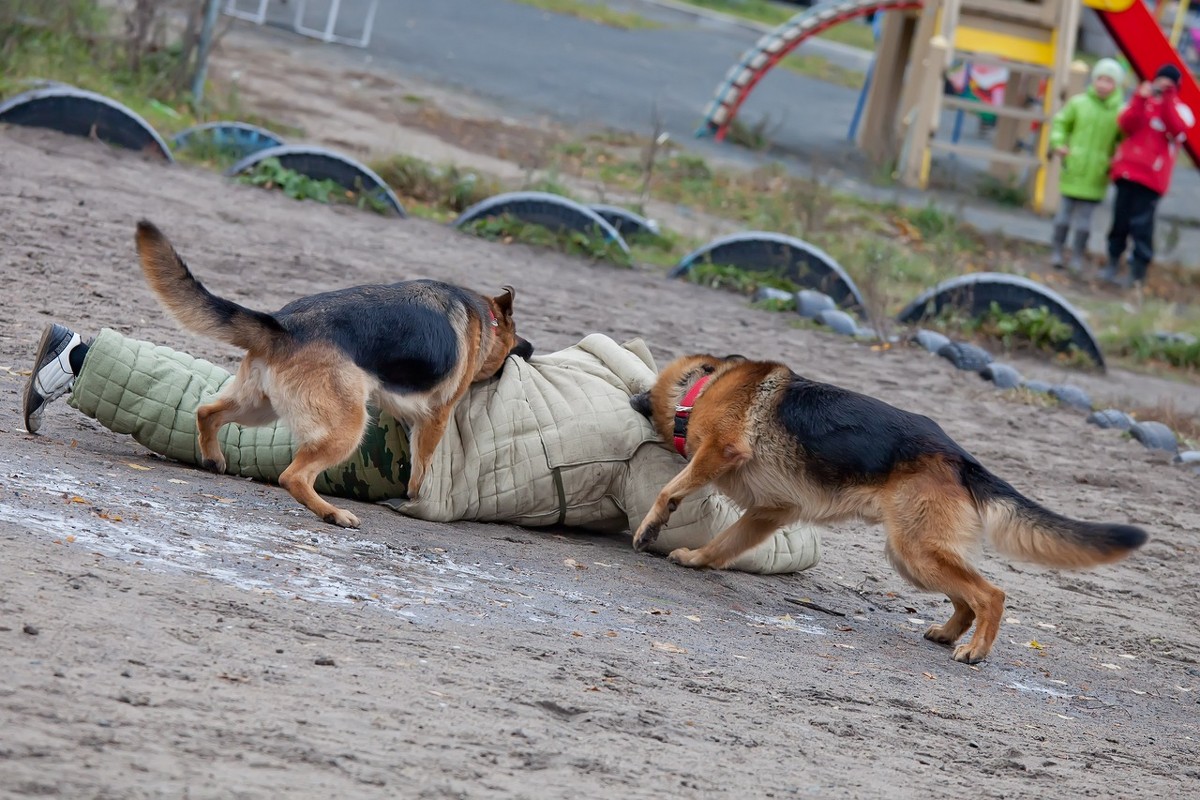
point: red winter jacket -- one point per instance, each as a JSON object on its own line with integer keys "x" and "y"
{"x": 1153, "y": 128}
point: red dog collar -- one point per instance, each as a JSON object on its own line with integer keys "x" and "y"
{"x": 683, "y": 411}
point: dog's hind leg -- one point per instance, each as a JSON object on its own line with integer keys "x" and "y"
{"x": 344, "y": 432}
{"x": 242, "y": 402}
{"x": 709, "y": 461}
{"x": 931, "y": 527}
{"x": 754, "y": 528}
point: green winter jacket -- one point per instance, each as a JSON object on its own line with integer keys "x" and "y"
{"x": 1087, "y": 126}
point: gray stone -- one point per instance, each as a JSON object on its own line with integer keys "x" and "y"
{"x": 1182, "y": 338}
{"x": 771, "y": 293}
{"x": 1188, "y": 457}
{"x": 1040, "y": 387}
{"x": 1072, "y": 396}
{"x": 1155, "y": 436}
{"x": 931, "y": 340}
{"x": 965, "y": 356}
{"x": 1111, "y": 418}
{"x": 1004, "y": 376}
{"x": 810, "y": 303}
{"x": 839, "y": 321}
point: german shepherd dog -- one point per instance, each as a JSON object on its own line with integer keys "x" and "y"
{"x": 788, "y": 449}
{"x": 412, "y": 347}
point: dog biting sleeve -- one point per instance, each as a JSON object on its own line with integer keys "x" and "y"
{"x": 703, "y": 515}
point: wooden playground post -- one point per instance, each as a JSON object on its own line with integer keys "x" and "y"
{"x": 928, "y": 109}
{"x": 875, "y": 135}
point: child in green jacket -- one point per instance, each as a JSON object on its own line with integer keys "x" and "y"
{"x": 1084, "y": 135}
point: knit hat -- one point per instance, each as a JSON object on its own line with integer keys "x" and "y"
{"x": 1170, "y": 72}
{"x": 1109, "y": 68}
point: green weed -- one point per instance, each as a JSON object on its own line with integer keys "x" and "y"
{"x": 270, "y": 174}
{"x": 507, "y": 229}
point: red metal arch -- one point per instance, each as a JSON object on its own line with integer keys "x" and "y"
{"x": 730, "y": 96}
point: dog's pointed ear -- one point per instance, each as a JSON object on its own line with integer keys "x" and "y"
{"x": 641, "y": 404}
{"x": 504, "y": 302}
{"x": 734, "y": 357}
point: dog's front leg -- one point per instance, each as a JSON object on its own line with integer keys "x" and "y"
{"x": 707, "y": 463}
{"x": 754, "y": 527}
{"x": 423, "y": 442}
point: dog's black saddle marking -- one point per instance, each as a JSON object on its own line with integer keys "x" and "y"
{"x": 851, "y": 437}
{"x": 402, "y": 333}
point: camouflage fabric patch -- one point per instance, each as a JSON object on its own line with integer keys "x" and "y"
{"x": 378, "y": 470}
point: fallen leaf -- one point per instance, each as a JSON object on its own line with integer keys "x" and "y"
{"x": 70, "y": 539}
{"x": 654, "y": 611}
{"x": 77, "y": 499}
{"x": 930, "y": 676}
{"x": 1130, "y": 656}
{"x": 109, "y": 517}
{"x": 1110, "y": 666}
{"x": 610, "y": 633}
{"x": 1035, "y": 644}
{"x": 570, "y": 562}
{"x": 692, "y": 617}
{"x": 138, "y": 467}
{"x": 176, "y": 480}
{"x": 576, "y": 633}
{"x": 667, "y": 647}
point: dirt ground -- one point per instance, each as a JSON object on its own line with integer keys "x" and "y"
{"x": 166, "y": 633}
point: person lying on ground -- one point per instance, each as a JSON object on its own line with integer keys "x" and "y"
{"x": 552, "y": 441}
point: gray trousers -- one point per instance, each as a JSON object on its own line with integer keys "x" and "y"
{"x": 1076, "y": 214}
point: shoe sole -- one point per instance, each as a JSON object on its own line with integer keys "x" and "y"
{"x": 31, "y": 423}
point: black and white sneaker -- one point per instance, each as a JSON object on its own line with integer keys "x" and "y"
{"x": 52, "y": 374}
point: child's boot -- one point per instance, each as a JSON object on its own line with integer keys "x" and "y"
{"x": 1058, "y": 242}
{"x": 1079, "y": 252}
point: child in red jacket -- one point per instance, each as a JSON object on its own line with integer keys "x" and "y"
{"x": 1153, "y": 125}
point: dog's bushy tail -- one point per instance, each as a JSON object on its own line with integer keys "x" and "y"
{"x": 195, "y": 307}
{"x": 1023, "y": 529}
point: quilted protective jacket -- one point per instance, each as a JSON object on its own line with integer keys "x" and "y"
{"x": 552, "y": 441}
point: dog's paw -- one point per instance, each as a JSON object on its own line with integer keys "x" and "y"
{"x": 342, "y": 518}
{"x": 214, "y": 465}
{"x": 646, "y": 536}
{"x": 939, "y": 634}
{"x": 687, "y": 557}
{"x": 970, "y": 653}
{"x": 415, "y": 481}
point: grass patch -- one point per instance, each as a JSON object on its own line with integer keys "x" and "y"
{"x": 736, "y": 279}
{"x": 447, "y": 189}
{"x": 77, "y": 42}
{"x": 507, "y": 229}
{"x": 855, "y": 34}
{"x": 823, "y": 69}
{"x": 270, "y": 174}
{"x": 593, "y": 12}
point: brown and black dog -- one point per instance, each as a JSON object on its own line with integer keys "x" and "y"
{"x": 788, "y": 449}
{"x": 413, "y": 348}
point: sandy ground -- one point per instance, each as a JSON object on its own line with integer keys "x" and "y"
{"x": 167, "y": 633}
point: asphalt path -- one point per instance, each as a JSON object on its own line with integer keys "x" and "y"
{"x": 534, "y": 63}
